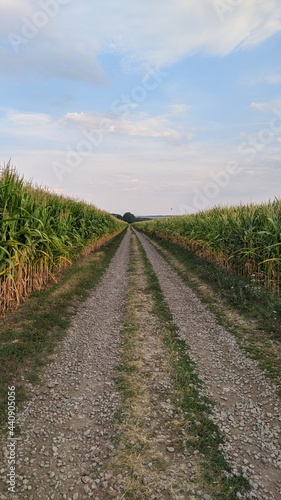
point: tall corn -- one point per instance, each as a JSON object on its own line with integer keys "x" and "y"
{"x": 40, "y": 233}
{"x": 246, "y": 239}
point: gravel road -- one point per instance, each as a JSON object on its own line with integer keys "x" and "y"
{"x": 67, "y": 426}
{"x": 247, "y": 409}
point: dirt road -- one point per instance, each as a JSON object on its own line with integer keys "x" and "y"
{"x": 107, "y": 420}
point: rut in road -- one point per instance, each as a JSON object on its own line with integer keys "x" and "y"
{"x": 247, "y": 409}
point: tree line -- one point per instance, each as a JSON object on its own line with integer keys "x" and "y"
{"x": 130, "y": 218}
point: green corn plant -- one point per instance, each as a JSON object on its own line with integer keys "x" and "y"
{"x": 41, "y": 233}
{"x": 245, "y": 238}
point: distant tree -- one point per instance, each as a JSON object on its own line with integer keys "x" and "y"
{"x": 142, "y": 219}
{"x": 128, "y": 217}
{"x": 118, "y": 216}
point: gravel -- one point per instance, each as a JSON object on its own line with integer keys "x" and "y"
{"x": 247, "y": 409}
{"x": 67, "y": 426}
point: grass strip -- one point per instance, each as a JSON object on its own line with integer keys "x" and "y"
{"x": 30, "y": 334}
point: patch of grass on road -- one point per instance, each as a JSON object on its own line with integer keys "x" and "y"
{"x": 30, "y": 334}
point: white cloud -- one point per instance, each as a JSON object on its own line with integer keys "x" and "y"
{"x": 272, "y": 105}
{"x": 38, "y": 38}
{"x": 260, "y": 106}
{"x": 12, "y": 12}
{"x": 184, "y": 27}
{"x": 146, "y": 33}
{"x": 137, "y": 126}
{"x": 273, "y": 79}
{"x": 196, "y": 26}
{"x": 177, "y": 109}
{"x": 31, "y": 126}
{"x": 269, "y": 79}
{"x": 29, "y": 119}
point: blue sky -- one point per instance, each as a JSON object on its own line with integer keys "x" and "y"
{"x": 151, "y": 107}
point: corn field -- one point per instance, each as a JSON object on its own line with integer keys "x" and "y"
{"x": 244, "y": 239}
{"x": 41, "y": 233}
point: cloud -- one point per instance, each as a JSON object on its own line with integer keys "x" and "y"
{"x": 138, "y": 126}
{"x": 273, "y": 105}
{"x": 261, "y": 106}
{"x": 68, "y": 44}
{"x": 33, "y": 131}
{"x": 12, "y": 12}
{"x": 273, "y": 79}
{"x": 177, "y": 109}
{"x": 53, "y": 60}
{"x": 36, "y": 38}
{"x": 192, "y": 26}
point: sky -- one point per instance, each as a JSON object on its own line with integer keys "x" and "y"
{"x": 152, "y": 107}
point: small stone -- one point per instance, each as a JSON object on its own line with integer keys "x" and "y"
{"x": 85, "y": 479}
{"x": 170, "y": 449}
{"x": 53, "y": 384}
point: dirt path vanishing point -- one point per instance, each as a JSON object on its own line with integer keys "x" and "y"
{"x": 84, "y": 436}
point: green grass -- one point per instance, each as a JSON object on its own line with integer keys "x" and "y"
{"x": 127, "y": 365}
{"x": 30, "y": 334}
